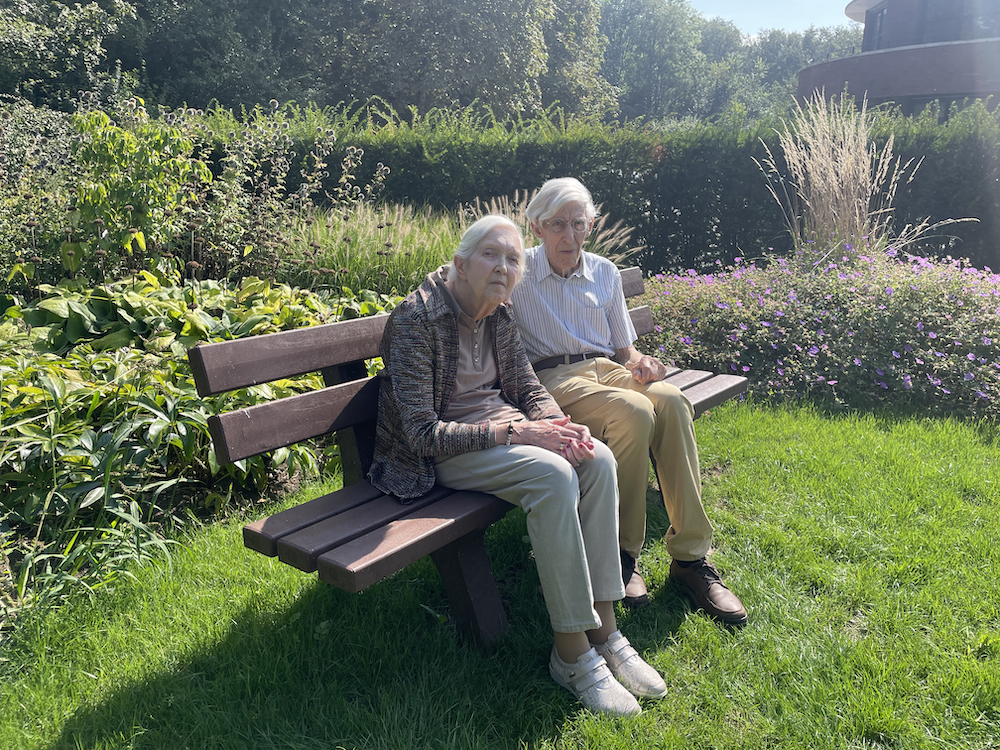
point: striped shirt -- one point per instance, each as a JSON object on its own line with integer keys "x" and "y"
{"x": 583, "y": 313}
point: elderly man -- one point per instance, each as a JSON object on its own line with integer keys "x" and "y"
{"x": 571, "y": 312}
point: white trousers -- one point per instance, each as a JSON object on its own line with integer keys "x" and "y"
{"x": 572, "y": 521}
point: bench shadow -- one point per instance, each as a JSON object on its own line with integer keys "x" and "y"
{"x": 290, "y": 677}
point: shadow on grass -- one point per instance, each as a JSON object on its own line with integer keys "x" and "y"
{"x": 383, "y": 668}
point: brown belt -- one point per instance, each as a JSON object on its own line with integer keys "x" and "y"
{"x": 564, "y": 359}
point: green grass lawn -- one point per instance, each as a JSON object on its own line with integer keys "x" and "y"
{"x": 863, "y": 548}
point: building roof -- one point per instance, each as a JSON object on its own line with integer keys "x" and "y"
{"x": 856, "y": 9}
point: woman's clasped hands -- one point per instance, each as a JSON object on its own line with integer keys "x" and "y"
{"x": 570, "y": 440}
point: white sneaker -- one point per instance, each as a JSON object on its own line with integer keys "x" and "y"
{"x": 629, "y": 669}
{"x": 592, "y": 683}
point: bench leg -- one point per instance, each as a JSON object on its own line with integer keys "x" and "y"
{"x": 472, "y": 591}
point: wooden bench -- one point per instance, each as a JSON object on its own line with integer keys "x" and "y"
{"x": 357, "y": 536}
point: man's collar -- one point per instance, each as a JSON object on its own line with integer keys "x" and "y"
{"x": 540, "y": 267}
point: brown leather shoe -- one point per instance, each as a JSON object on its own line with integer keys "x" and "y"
{"x": 636, "y": 596}
{"x": 701, "y": 582}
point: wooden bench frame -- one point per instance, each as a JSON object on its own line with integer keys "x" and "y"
{"x": 357, "y": 536}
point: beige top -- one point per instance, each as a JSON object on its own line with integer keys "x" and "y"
{"x": 476, "y": 396}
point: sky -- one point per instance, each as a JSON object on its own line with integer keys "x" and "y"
{"x": 750, "y": 16}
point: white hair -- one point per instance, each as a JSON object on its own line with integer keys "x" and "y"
{"x": 555, "y": 194}
{"x": 477, "y": 232}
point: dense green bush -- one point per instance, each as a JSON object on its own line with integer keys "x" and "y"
{"x": 862, "y": 331}
{"x": 692, "y": 191}
{"x": 103, "y": 437}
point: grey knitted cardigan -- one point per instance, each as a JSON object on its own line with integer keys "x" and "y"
{"x": 420, "y": 352}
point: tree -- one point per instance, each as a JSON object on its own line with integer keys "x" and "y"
{"x": 575, "y": 47}
{"x": 433, "y": 53}
{"x": 652, "y": 56}
{"x": 50, "y": 51}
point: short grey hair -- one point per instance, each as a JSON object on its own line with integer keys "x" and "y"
{"x": 555, "y": 194}
{"x": 477, "y": 232}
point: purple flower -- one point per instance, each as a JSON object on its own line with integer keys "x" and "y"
{"x": 931, "y": 335}
{"x": 987, "y": 341}
{"x": 813, "y": 350}
{"x": 969, "y": 376}
{"x": 920, "y": 326}
{"x": 879, "y": 371}
{"x": 895, "y": 354}
{"x": 857, "y": 362}
{"x": 888, "y": 290}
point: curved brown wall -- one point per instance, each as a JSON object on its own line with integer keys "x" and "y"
{"x": 945, "y": 70}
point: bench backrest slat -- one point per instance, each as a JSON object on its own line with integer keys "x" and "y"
{"x": 228, "y": 365}
{"x": 285, "y": 421}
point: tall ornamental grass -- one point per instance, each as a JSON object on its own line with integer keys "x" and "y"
{"x": 835, "y": 186}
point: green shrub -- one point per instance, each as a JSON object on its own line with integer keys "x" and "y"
{"x": 103, "y": 437}
{"x": 863, "y": 331}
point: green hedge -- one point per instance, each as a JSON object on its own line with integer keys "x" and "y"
{"x": 692, "y": 191}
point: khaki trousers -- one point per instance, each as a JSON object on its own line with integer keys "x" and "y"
{"x": 638, "y": 422}
{"x": 572, "y": 521}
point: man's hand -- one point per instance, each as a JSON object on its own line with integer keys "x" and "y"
{"x": 645, "y": 369}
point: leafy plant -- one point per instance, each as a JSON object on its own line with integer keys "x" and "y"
{"x": 103, "y": 438}
{"x": 865, "y": 330}
{"x": 140, "y": 175}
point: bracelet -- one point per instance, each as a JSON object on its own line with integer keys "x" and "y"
{"x": 510, "y": 432}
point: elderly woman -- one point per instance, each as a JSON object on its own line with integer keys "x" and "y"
{"x": 459, "y": 404}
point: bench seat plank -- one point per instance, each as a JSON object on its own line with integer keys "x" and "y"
{"x": 263, "y": 535}
{"x": 687, "y": 378}
{"x": 368, "y": 559}
{"x": 710, "y": 393}
{"x": 301, "y": 548}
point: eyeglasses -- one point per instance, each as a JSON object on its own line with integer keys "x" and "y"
{"x": 558, "y": 226}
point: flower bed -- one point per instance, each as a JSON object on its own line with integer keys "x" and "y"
{"x": 856, "y": 329}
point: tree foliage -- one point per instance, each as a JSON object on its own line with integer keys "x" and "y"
{"x": 49, "y": 51}
{"x": 624, "y": 59}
